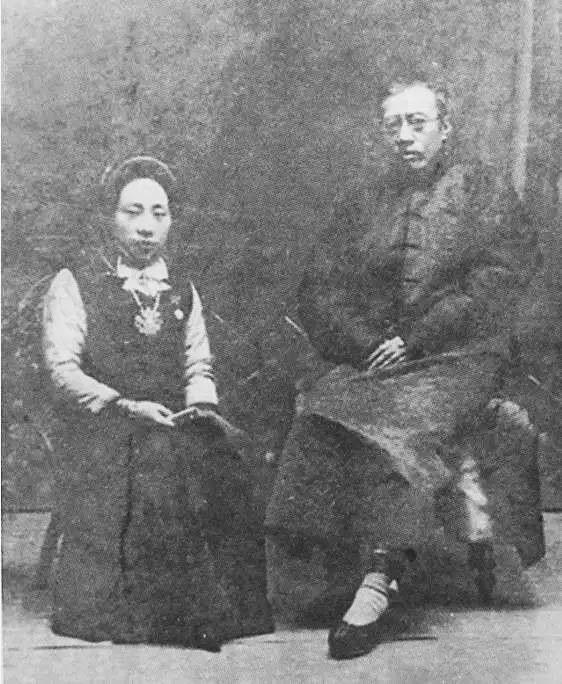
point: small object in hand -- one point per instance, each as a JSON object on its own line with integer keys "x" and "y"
{"x": 236, "y": 437}
{"x": 185, "y": 413}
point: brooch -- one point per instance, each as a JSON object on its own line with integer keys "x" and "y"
{"x": 148, "y": 321}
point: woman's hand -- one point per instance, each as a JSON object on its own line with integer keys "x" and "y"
{"x": 149, "y": 411}
{"x": 387, "y": 354}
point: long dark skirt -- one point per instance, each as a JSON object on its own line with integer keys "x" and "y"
{"x": 161, "y": 536}
{"x": 386, "y": 461}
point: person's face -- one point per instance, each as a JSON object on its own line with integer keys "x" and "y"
{"x": 411, "y": 122}
{"x": 142, "y": 220}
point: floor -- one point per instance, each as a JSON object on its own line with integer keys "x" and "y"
{"x": 518, "y": 639}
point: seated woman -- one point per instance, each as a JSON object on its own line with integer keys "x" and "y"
{"x": 161, "y": 541}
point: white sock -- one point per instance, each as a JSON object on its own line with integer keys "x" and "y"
{"x": 370, "y": 602}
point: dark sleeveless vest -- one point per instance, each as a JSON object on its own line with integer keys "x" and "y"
{"x": 138, "y": 366}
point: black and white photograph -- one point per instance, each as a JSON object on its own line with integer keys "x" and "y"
{"x": 281, "y": 342}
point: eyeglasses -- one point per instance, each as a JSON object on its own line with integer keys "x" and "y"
{"x": 393, "y": 125}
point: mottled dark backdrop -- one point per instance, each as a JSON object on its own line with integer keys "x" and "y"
{"x": 264, "y": 108}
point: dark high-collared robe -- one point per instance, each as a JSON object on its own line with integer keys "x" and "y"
{"x": 440, "y": 259}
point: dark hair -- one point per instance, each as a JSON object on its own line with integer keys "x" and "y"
{"x": 116, "y": 177}
{"x": 441, "y": 95}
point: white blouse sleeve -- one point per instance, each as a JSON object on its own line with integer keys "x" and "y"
{"x": 199, "y": 379}
{"x": 64, "y": 333}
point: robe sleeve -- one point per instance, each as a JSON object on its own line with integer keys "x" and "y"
{"x": 64, "y": 333}
{"x": 339, "y": 312}
{"x": 199, "y": 379}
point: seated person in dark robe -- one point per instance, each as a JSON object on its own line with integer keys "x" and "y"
{"x": 411, "y": 292}
{"x": 161, "y": 540}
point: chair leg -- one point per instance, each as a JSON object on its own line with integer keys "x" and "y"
{"x": 48, "y": 554}
{"x": 481, "y": 559}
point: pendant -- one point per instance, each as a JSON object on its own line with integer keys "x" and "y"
{"x": 148, "y": 322}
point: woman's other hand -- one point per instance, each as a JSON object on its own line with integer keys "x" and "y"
{"x": 387, "y": 354}
{"x": 149, "y": 411}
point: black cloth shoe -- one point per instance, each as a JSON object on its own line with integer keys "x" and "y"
{"x": 94, "y": 633}
{"x": 349, "y": 641}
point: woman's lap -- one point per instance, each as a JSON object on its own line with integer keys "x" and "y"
{"x": 135, "y": 554}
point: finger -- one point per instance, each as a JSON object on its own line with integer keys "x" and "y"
{"x": 394, "y": 343}
{"x": 377, "y": 364}
{"x": 161, "y": 415}
{"x": 164, "y": 410}
{"x": 379, "y": 350}
{"x": 389, "y": 354}
{"x": 161, "y": 420}
{"x": 394, "y": 358}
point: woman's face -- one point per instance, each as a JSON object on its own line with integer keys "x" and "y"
{"x": 142, "y": 220}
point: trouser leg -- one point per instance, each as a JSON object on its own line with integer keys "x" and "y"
{"x": 395, "y": 518}
{"x": 343, "y": 566}
{"x": 311, "y": 507}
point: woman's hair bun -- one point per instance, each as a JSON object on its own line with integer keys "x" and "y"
{"x": 117, "y": 176}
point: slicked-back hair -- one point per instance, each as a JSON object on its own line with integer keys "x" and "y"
{"x": 440, "y": 91}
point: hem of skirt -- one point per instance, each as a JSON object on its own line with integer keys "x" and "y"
{"x": 258, "y": 630}
{"x": 91, "y": 634}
